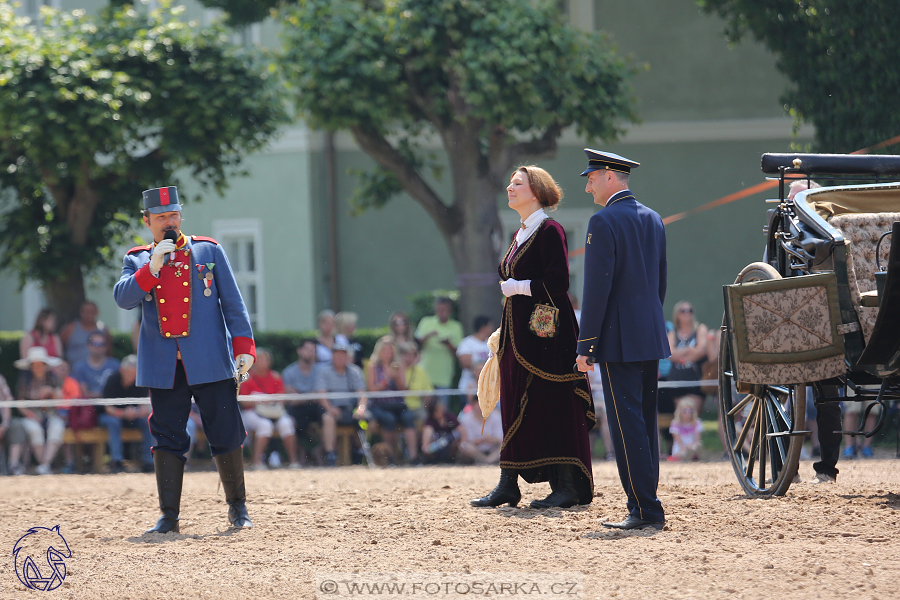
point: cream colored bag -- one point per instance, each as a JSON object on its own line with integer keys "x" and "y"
{"x": 489, "y": 380}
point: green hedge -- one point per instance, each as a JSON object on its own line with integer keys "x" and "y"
{"x": 9, "y": 352}
{"x": 282, "y": 344}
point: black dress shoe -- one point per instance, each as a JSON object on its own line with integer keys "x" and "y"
{"x": 635, "y": 523}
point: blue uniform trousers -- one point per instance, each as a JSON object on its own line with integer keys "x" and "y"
{"x": 219, "y": 410}
{"x": 630, "y": 390}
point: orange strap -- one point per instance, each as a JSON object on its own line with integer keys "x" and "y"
{"x": 753, "y": 189}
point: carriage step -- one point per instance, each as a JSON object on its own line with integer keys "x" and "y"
{"x": 853, "y": 433}
{"x": 787, "y": 433}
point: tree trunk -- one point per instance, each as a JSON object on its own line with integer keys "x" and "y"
{"x": 65, "y": 294}
{"x": 475, "y": 249}
{"x": 77, "y": 206}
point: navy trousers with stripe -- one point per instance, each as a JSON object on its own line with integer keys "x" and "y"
{"x": 630, "y": 390}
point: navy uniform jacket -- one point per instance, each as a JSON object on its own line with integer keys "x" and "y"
{"x": 624, "y": 284}
{"x": 177, "y": 317}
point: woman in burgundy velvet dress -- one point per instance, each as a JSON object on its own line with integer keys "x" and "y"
{"x": 547, "y": 409}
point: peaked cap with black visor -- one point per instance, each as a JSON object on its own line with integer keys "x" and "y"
{"x": 607, "y": 161}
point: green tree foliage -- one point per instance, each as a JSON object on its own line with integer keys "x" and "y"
{"x": 496, "y": 81}
{"x": 95, "y": 109}
{"x": 841, "y": 57}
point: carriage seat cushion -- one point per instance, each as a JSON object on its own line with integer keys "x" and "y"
{"x": 861, "y": 231}
{"x": 869, "y": 299}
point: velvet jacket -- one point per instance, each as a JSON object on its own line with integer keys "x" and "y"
{"x": 543, "y": 258}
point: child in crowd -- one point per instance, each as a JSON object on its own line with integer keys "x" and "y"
{"x": 686, "y": 430}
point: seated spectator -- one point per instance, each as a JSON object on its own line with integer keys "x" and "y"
{"x": 77, "y": 418}
{"x": 687, "y": 341}
{"x": 344, "y": 328}
{"x": 340, "y": 375}
{"x": 483, "y": 436}
{"x": 471, "y": 386}
{"x": 42, "y": 334}
{"x": 300, "y": 378}
{"x": 441, "y": 435}
{"x": 686, "y": 431}
{"x": 438, "y": 337}
{"x": 399, "y": 328}
{"x": 121, "y": 384}
{"x": 43, "y": 429}
{"x": 327, "y": 337}
{"x": 473, "y": 349}
{"x": 383, "y": 374}
{"x": 5, "y": 411}
{"x": 261, "y": 418}
{"x": 91, "y": 372}
{"x": 74, "y": 336}
{"x": 416, "y": 378}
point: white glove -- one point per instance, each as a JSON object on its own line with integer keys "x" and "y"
{"x": 244, "y": 362}
{"x": 513, "y": 287}
{"x": 158, "y": 258}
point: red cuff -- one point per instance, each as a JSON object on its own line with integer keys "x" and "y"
{"x": 243, "y": 345}
{"x": 144, "y": 278}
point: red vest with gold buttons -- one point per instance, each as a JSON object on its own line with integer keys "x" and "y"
{"x": 173, "y": 293}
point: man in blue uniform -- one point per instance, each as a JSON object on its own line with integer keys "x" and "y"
{"x": 623, "y": 328}
{"x": 194, "y": 329}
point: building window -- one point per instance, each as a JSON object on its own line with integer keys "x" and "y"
{"x": 241, "y": 240}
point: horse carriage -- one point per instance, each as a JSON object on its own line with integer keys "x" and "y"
{"x": 819, "y": 313}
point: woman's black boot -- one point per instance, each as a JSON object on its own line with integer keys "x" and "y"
{"x": 507, "y": 491}
{"x": 562, "y": 486}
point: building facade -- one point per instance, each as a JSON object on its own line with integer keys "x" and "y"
{"x": 708, "y": 111}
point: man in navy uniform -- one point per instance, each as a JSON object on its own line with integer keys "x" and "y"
{"x": 194, "y": 329}
{"x": 623, "y": 328}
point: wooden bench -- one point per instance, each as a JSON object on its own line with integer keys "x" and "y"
{"x": 345, "y": 436}
{"x": 97, "y": 436}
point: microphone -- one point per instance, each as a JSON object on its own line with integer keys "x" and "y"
{"x": 170, "y": 234}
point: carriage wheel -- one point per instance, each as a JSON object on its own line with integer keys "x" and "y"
{"x": 765, "y": 465}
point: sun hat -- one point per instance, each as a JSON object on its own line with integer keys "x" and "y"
{"x": 37, "y": 354}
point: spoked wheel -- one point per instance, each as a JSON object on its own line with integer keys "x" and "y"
{"x": 756, "y": 418}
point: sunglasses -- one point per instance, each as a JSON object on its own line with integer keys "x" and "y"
{"x": 686, "y": 310}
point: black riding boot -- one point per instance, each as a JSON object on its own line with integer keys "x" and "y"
{"x": 231, "y": 472}
{"x": 169, "y": 476}
{"x": 562, "y": 486}
{"x": 507, "y": 491}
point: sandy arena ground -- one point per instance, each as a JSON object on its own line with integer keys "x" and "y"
{"x": 825, "y": 541}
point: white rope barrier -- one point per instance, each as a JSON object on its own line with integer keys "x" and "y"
{"x": 288, "y": 397}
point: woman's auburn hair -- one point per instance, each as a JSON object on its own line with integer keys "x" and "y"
{"x": 545, "y": 188}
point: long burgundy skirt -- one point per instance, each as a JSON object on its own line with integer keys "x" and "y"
{"x": 544, "y": 423}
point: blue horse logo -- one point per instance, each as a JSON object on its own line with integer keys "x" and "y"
{"x": 39, "y": 543}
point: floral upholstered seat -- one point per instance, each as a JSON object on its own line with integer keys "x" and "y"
{"x": 861, "y": 231}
